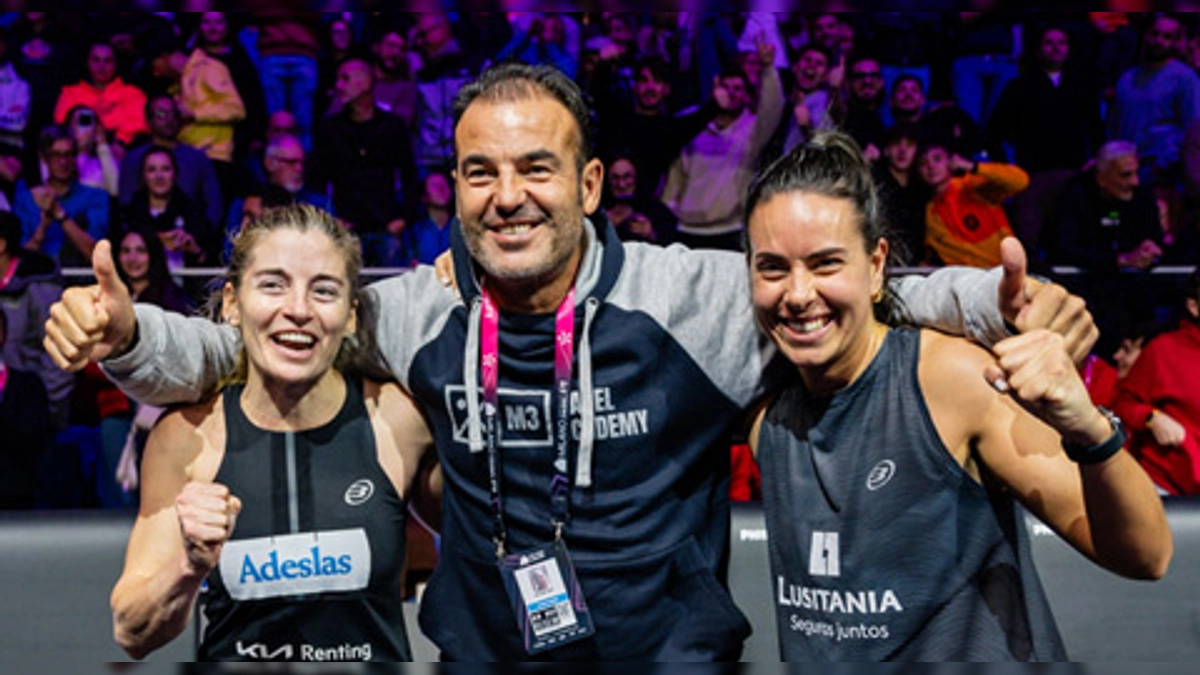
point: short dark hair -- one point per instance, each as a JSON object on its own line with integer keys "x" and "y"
{"x": 510, "y": 82}
{"x": 903, "y": 131}
{"x": 815, "y": 47}
{"x": 657, "y": 66}
{"x": 148, "y": 109}
{"x": 52, "y": 134}
{"x": 907, "y": 77}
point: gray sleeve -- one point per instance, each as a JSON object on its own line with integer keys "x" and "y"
{"x": 956, "y": 300}
{"x": 176, "y": 358}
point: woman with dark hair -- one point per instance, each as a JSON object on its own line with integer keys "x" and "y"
{"x": 142, "y": 265}
{"x": 891, "y": 469}
{"x": 160, "y": 206}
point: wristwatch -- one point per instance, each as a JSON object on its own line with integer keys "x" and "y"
{"x": 1095, "y": 454}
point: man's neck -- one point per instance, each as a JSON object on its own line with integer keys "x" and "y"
{"x": 439, "y": 216}
{"x": 907, "y": 116}
{"x": 724, "y": 119}
{"x": 60, "y": 187}
{"x": 900, "y": 176}
{"x": 165, "y": 142}
{"x": 362, "y": 109}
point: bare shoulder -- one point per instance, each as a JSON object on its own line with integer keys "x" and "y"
{"x": 951, "y": 373}
{"x": 191, "y": 437}
{"x": 401, "y": 433}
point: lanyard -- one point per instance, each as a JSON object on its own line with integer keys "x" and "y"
{"x": 9, "y": 273}
{"x": 564, "y": 350}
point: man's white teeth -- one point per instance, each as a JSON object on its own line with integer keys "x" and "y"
{"x": 809, "y": 326}
{"x": 514, "y": 229}
{"x": 295, "y": 340}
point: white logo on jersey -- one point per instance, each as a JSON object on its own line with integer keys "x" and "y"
{"x": 824, "y": 559}
{"x": 297, "y": 564}
{"x": 260, "y": 652}
{"x": 881, "y": 475}
{"x": 358, "y": 493}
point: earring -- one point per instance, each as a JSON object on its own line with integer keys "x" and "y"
{"x": 877, "y": 296}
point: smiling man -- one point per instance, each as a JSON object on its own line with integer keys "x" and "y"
{"x": 581, "y": 392}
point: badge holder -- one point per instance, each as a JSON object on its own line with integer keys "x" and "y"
{"x": 546, "y": 597}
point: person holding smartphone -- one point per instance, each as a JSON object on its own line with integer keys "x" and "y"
{"x": 98, "y": 159}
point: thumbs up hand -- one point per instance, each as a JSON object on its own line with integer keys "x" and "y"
{"x": 92, "y": 322}
{"x": 1029, "y": 304}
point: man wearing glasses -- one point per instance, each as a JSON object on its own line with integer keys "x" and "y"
{"x": 61, "y": 218}
{"x": 864, "y": 106}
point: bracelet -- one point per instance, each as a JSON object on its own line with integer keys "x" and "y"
{"x": 1100, "y": 452}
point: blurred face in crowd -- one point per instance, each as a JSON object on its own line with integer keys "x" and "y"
{"x": 866, "y": 80}
{"x": 164, "y": 119}
{"x": 752, "y": 66}
{"x": 827, "y": 31}
{"x": 1054, "y": 50}
{"x": 60, "y": 160}
{"x": 354, "y": 81}
{"x": 1159, "y": 42}
{"x": 341, "y": 37}
{"x": 284, "y": 162}
{"x": 738, "y": 97}
{"x": 908, "y": 96}
{"x": 438, "y": 194}
{"x": 431, "y": 34}
{"x": 281, "y": 123}
{"x": 158, "y": 172}
{"x": 1118, "y": 178}
{"x": 649, "y": 91}
{"x": 521, "y": 196}
{"x": 102, "y": 64}
{"x": 393, "y": 50}
{"x": 553, "y": 30}
{"x": 213, "y": 28}
{"x": 617, "y": 28}
{"x": 810, "y": 69}
{"x": 934, "y": 165}
{"x": 1127, "y": 354}
{"x": 134, "y": 257}
{"x": 901, "y": 154}
{"x": 622, "y": 179}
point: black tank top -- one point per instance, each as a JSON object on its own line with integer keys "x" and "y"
{"x": 312, "y": 572}
{"x": 882, "y": 547}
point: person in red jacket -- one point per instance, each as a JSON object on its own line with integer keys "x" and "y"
{"x": 1160, "y": 401}
{"x": 120, "y": 106}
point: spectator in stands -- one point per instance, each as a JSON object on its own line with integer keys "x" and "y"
{"x": 864, "y": 106}
{"x": 97, "y": 162}
{"x": 1160, "y": 402}
{"x": 395, "y": 86}
{"x": 288, "y": 44}
{"x": 1156, "y": 102}
{"x": 706, "y": 184}
{"x": 543, "y": 42}
{"x": 1049, "y": 113}
{"x": 121, "y": 106}
{"x": 43, "y": 55}
{"x": 984, "y": 60}
{"x": 644, "y": 126}
{"x": 338, "y": 45}
{"x": 907, "y": 102}
{"x": 811, "y": 97}
{"x": 209, "y": 102}
{"x": 359, "y": 154}
{"x": 906, "y": 43}
{"x": 215, "y": 36}
{"x": 444, "y": 70}
{"x": 25, "y": 421}
{"x": 965, "y": 219}
{"x": 195, "y": 177}
{"x": 902, "y": 192}
{"x": 637, "y": 216}
{"x": 429, "y": 236}
{"x": 1106, "y": 218}
{"x": 29, "y": 284}
{"x": 61, "y": 217}
{"x": 142, "y": 267}
{"x": 160, "y": 206}
{"x": 15, "y": 102}
{"x": 283, "y": 162}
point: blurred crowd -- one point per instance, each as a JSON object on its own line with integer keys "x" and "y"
{"x": 163, "y": 132}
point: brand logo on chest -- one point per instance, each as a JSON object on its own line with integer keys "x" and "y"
{"x": 298, "y": 564}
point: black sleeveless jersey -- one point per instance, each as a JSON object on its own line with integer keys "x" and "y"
{"x": 312, "y": 572}
{"x": 882, "y": 547}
